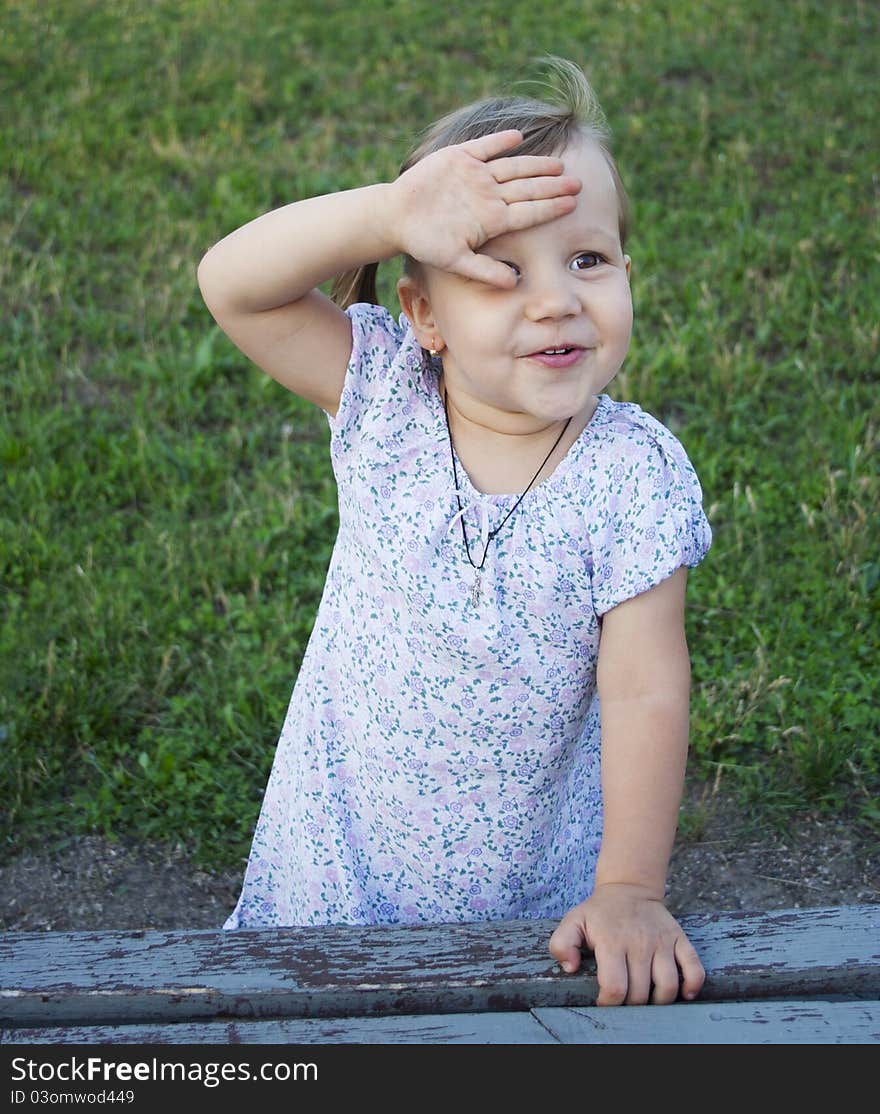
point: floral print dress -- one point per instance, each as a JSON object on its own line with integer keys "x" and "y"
{"x": 439, "y": 761}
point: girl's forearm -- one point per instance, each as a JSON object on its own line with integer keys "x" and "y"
{"x": 644, "y": 751}
{"x": 279, "y": 257}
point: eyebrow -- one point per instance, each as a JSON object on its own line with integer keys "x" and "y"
{"x": 580, "y": 235}
{"x": 592, "y": 231}
{"x": 581, "y": 238}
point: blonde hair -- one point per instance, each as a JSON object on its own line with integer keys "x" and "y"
{"x": 548, "y": 126}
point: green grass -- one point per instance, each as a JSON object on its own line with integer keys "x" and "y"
{"x": 167, "y": 511}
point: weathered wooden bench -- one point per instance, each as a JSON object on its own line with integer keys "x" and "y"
{"x": 790, "y": 976}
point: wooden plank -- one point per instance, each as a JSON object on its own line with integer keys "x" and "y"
{"x": 504, "y": 1027}
{"x": 761, "y": 1022}
{"x": 346, "y": 971}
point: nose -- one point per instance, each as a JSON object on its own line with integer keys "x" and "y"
{"x": 551, "y": 297}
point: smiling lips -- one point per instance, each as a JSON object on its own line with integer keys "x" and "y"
{"x": 557, "y": 357}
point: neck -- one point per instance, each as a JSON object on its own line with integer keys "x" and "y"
{"x": 541, "y": 467}
{"x": 470, "y": 417}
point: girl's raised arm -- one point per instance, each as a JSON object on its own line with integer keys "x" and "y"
{"x": 260, "y": 281}
{"x": 259, "y": 284}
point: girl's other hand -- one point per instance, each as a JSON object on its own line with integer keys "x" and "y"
{"x": 640, "y": 948}
{"x": 453, "y": 201}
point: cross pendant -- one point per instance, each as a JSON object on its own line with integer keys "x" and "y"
{"x": 476, "y": 589}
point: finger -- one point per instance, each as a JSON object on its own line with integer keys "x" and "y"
{"x": 525, "y": 166}
{"x": 664, "y": 974}
{"x": 488, "y": 146}
{"x": 536, "y": 189}
{"x": 526, "y": 214}
{"x": 485, "y": 269}
{"x": 565, "y": 945}
{"x": 638, "y": 977}
{"x": 611, "y": 969}
{"x": 692, "y": 973}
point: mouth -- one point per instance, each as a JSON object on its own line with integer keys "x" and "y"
{"x": 561, "y": 356}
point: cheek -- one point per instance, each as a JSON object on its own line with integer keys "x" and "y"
{"x": 473, "y": 332}
{"x": 459, "y": 323}
{"x": 619, "y": 311}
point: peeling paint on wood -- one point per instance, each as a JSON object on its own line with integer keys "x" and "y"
{"x": 109, "y": 978}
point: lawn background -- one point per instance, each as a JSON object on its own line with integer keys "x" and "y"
{"x": 167, "y": 511}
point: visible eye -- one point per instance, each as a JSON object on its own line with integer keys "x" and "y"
{"x": 512, "y": 266}
{"x": 586, "y": 261}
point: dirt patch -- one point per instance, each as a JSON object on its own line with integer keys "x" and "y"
{"x": 733, "y": 863}
{"x": 721, "y": 861}
{"x": 96, "y": 884}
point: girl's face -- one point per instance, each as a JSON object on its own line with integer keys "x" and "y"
{"x": 518, "y": 359}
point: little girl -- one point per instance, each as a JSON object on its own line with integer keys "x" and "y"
{"x": 491, "y": 717}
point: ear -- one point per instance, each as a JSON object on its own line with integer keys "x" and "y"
{"x": 628, "y": 263}
{"x": 416, "y": 304}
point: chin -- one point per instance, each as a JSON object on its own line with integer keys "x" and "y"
{"x": 568, "y": 404}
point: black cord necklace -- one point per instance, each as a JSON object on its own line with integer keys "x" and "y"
{"x": 478, "y": 569}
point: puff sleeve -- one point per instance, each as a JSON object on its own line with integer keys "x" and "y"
{"x": 646, "y": 517}
{"x": 383, "y": 354}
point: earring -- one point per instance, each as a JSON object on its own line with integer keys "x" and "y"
{"x": 433, "y": 352}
